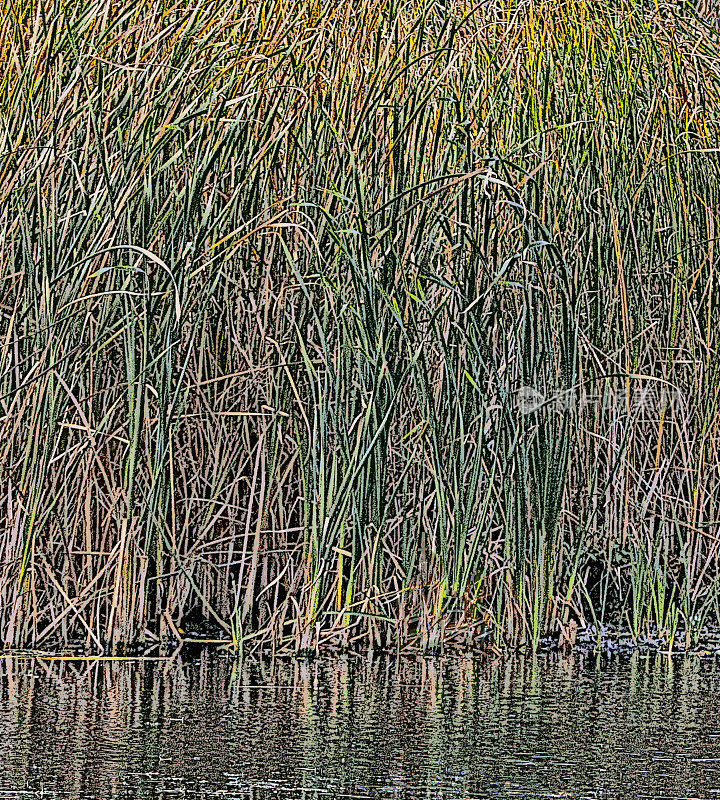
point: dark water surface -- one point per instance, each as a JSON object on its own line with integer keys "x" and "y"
{"x": 640, "y": 727}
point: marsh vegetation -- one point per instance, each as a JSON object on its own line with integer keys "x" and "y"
{"x": 276, "y": 275}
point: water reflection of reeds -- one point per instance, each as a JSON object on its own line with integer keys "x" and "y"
{"x": 446, "y": 728}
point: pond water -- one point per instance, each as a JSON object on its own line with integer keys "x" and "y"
{"x": 642, "y": 726}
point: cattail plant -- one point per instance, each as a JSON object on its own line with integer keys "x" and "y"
{"x": 377, "y": 325}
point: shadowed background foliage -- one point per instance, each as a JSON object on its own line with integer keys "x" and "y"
{"x": 274, "y": 276}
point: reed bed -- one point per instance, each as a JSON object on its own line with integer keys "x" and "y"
{"x": 349, "y": 324}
